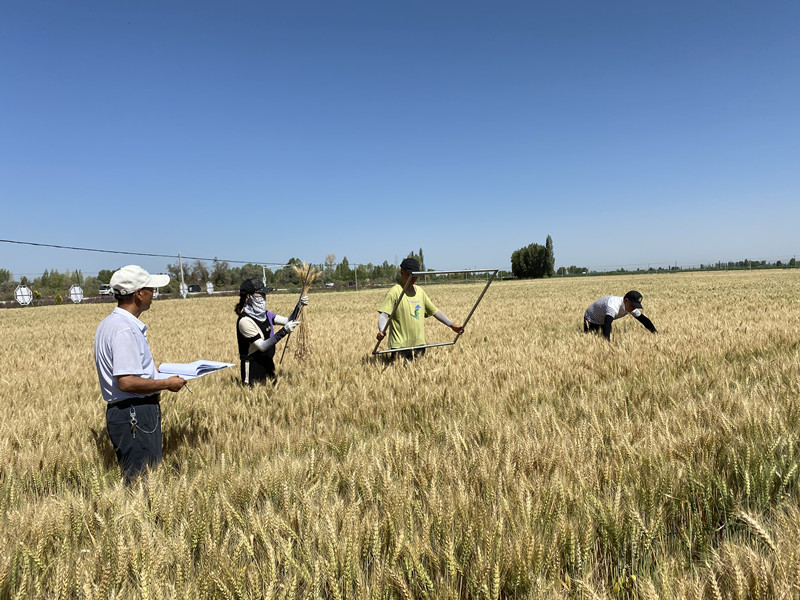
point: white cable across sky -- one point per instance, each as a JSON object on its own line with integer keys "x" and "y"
{"x": 243, "y": 262}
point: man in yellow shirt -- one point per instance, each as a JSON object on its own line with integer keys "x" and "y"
{"x": 408, "y": 322}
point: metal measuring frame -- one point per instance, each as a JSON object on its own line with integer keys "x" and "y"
{"x": 406, "y": 288}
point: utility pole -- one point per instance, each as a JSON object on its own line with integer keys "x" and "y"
{"x": 183, "y": 284}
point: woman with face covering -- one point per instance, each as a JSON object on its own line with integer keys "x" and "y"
{"x": 255, "y": 331}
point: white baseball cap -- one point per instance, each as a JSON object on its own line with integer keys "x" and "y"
{"x": 133, "y": 277}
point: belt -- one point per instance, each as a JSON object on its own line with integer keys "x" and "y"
{"x": 128, "y": 402}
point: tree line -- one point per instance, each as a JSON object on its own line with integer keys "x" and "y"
{"x": 531, "y": 261}
{"x": 221, "y": 274}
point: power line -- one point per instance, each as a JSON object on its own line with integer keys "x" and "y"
{"x": 241, "y": 262}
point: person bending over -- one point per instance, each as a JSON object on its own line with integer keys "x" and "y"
{"x": 601, "y": 314}
{"x": 255, "y": 331}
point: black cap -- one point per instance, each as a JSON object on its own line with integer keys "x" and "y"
{"x": 410, "y": 264}
{"x": 635, "y": 298}
{"x": 253, "y": 286}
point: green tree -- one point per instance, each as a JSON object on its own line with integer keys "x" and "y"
{"x": 419, "y": 258}
{"x": 173, "y": 270}
{"x": 104, "y": 275}
{"x": 294, "y": 262}
{"x": 199, "y": 272}
{"x": 343, "y": 271}
{"x": 287, "y": 274}
{"x": 383, "y": 272}
{"x": 517, "y": 264}
{"x": 363, "y": 273}
{"x": 52, "y": 280}
{"x": 529, "y": 262}
{"x": 248, "y": 271}
{"x": 6, "y": 276}
{"x": 538, "y": 261}
{"x": 549, "y": 257}
{"x": 220, "y": 273}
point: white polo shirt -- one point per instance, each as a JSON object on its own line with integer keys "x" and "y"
{"x": 608, "y": 305}
{"x": 121, "y": 348}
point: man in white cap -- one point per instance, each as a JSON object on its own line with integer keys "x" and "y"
{"x": 128, "y": 377}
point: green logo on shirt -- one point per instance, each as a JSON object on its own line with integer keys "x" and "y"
{"x": 416, "y": 312}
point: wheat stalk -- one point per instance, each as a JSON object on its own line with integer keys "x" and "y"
{"x": 307, "y": 275}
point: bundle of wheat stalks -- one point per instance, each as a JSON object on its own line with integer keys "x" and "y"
{"x": 307, "y": 275}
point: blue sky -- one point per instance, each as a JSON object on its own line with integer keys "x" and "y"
{"x": 633, "y": 133}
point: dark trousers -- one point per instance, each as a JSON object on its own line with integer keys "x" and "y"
{"x": 134, "y": 427}
{"x": 259, "y": 368}
{"x": 407, "y": 354}
{"x": 588, "y": 327}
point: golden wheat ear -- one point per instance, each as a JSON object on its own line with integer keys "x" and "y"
{"x": 307, "y": 274}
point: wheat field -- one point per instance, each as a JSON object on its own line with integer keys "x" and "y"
{"x": 527, "y": 461}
